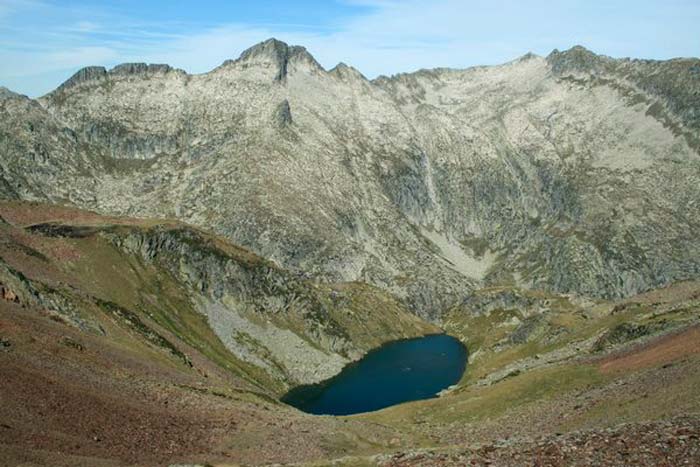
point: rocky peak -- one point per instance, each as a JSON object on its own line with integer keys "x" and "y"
{"x": 577, "y": 58}
{"x": 6, "y": 94}
{"x": 346, "y": 72}
{"x": 527, "y": 57}
{"x": 281, "y": 55}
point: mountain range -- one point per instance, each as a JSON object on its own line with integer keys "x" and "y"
{"x": 177, "y": 251}
{"x": 574, "y": 173}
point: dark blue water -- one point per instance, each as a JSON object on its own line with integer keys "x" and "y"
{"x": 397, "y": 372}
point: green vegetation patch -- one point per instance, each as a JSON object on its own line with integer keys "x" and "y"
{"x": 134, "y": 323}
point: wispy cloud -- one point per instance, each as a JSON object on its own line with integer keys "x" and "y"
{"x": 388, "y": 37}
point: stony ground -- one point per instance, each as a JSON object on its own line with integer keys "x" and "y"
{"x": 668, "y": 443}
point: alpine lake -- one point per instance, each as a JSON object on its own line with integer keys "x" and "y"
{"x": 399, "y": 371}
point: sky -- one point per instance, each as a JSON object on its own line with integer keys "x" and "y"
{"x": 43, "y": 42}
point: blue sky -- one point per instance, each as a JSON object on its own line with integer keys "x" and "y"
{"x": 43, "y": 42}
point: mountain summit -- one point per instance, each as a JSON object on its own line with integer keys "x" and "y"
{"x": 279, "y": 56}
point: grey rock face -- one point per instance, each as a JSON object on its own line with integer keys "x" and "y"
{"x": 574, "y": 173}
{"x": 87, "y": 74}
{"x": 279, "y": 55}
{"x": 672, "y": 83}
{"x": 284, "y": 114}
{"x": 126, "y": 69}
{"x": 7, "y": 94}
{"x": 578, "y": 58}
{"x": 96, "y": 74}
{"x": 238, "y": 292}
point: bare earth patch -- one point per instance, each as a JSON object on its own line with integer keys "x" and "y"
{"x": 657, "y": 352}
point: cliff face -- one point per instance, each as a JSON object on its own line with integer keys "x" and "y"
{"x": 572, "y": 173}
